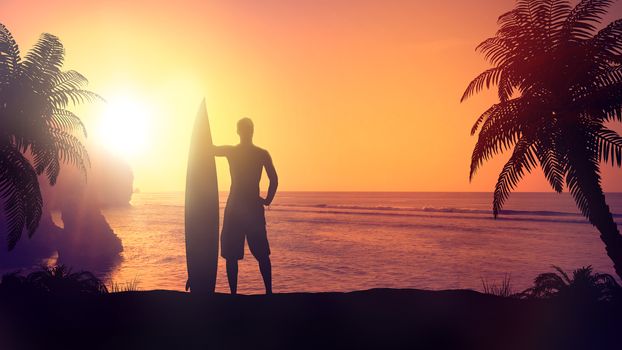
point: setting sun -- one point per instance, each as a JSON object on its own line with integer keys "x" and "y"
{"x": 124, "y": 124}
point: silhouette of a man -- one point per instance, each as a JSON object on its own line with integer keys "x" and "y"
{"x": 244, "y": 213}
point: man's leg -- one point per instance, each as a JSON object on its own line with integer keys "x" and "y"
{"x": 232, "y": 275}
{"x": 265, "y": 266}
{"x": 259, "y": 246}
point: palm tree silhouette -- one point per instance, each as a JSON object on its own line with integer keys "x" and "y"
{"x": 559, "y": 82}
{"x": 37, "y": 132}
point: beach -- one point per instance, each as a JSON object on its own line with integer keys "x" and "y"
{"x": 372, "y": 319}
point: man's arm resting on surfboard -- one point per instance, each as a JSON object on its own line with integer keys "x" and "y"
{"x": 274, "y": 179}
{"x": 221, "y": 151}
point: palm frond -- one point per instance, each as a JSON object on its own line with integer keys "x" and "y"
{"x": 42, "y": 154}
{"x": 9, "y": 54}
{"x": 67, "y": 121}
{"x": 62, "y": 98}
{"x": 69, "y": 80}
{"x": 506, "y": 86}
{"x": 52, "y": 168}
{"x": 523, "y": 160}
{"x": 496, "y": 50}
{"x": 70, "y": 150}
{"x": 44, "y": 61}
{"x": 513, "y": 21}
{"x": 59, "y": 146}
{"x": 610, "y": 76}
{"x": 556, "y": 13}
{"x": 502, "y": 126}
{"x": 527, "y": 23}
{"x": 581, "y": 21}
{"x": 603, "y": 98}
{"x": 536, "y": 14}
{"x": 564, "y": 275}
{"x": 491, "y": 144}
{"x": 488, "y": 78}
{"x": 547, "y": 285}
{"x": 608, "y": 41}
{"x": 552, "y": 162}
{"x": 484, "y": 116}
{"x": 609, "y": 146}
{"x": 19, "y": 189}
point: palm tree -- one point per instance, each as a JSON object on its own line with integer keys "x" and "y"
{"x": 37, "y": 132}
{"x": 559, "y": 83}
{"x": 583, "y": 285}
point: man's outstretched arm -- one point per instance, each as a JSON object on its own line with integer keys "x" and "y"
{"x": 274, "y": 180}
{"x": 221, "y": 151}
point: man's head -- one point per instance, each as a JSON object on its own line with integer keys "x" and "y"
{"x": 245, "y": 129}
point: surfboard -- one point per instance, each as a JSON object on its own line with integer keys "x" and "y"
{"x": 201, "y": 210}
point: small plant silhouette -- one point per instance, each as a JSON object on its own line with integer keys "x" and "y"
{"x": 504, "y": 289}
{"x": 131, "y": 286}
{"x": 56, "y": 280}
{"x": 584, "y": 284}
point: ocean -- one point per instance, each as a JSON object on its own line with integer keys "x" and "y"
{"x": 327, "y": 241}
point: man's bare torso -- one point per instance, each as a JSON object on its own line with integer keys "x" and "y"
{"x": 246, "y": 163}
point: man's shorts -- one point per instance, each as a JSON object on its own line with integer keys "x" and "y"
{"x": 240, "y": 222}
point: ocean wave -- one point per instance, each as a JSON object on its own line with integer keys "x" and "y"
{"x": 395, "y": 211}
{"x": 437, "y": 210}
{"x": 427, "y": 214}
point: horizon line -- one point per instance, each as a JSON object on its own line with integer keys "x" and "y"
{"x": 372, "y": 191}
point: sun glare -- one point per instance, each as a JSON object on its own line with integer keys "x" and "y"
{"x": 123, "y": 127}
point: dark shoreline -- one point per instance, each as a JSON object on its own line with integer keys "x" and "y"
{"x": 378, "y": 318}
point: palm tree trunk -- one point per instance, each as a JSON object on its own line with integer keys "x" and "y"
{"x": 600, "y": 216}
{"x": 585, "y": 175}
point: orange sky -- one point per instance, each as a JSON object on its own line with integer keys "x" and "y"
{"x": 346, "y": 95}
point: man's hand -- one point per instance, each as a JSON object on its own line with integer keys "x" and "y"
{"x": 264, "y": 201}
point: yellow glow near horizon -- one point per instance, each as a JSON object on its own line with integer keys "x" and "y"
{"x": 124, "y": 125}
